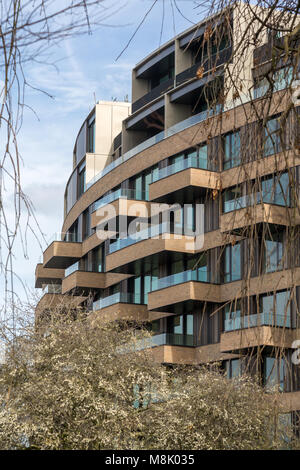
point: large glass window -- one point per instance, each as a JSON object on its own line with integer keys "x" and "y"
{"x": 181, "y": 330}
{"x": 233, "y": 199}
{"x": 232, "y": 263}
{"x": 275, "y": 190}
{"x": 272, "y": 142}
{"x": 276, "y": 309}
{"x": 91, "y": 135}
{"x": 232, "y": 150}
{"x": 233, "y": 368}
{"x": 274, "y": 373}
{"x": 81, "y": 180}
{"x": 233, "y": 314}
{"x": 273, "y": 251}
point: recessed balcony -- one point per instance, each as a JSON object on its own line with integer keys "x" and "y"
{"x": 204, "y": 65}
{"x": 160, "y": 89}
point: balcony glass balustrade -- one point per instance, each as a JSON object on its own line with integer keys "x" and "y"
{"x": 63, "y": 237}
{"x": 52, "y": 289}
{"x": 271, "y": 193}
{"x": 71, "y": 269}
{"x": 199, "y": 275}
{"x": 118, "y": 194}
{"x": 189, "y": 162}
{"x": 150, "y": 232}
{"x": 258, "y": 319}
{"x": 165, "y": 339}
{"x": 180, "y": 126}
{"x": 118, "y": 297}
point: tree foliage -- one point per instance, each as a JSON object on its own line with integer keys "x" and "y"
{"x": 79, "y": 385}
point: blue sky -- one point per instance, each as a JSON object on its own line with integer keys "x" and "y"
{"x": 86, "y": 67}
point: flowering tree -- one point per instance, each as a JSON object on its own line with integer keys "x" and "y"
{"x": 81, "y": 385}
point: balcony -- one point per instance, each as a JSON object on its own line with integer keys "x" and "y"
{"x": 82, "y": 282}
{"x": 61, "y": 254}
{"x": 207, "y": 64}
{"x": 258, "y": 319}
{"x": 119, "y": 297}
{"x": 47, "y": 276}
{"x": 237, "y": 340}
{"x": 166, "y": 339}
{"x": 261, "y": 213}
{"x": 192, "y": 171}
{"x": 152, "y": 94}
{"x": 144, "y": 248}
{"x": 182, "y": 287}
{"x": 180, "y": 126}
{"x": 150, "y": 232}
{"x": 120, "y": 203}
{"x": 120, "y": 306}
{"x": 199, "y": 275}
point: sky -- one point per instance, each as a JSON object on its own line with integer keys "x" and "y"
{"x": 85, "y": 68}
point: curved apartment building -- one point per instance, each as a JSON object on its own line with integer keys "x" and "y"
{"x": 180, "y": 210}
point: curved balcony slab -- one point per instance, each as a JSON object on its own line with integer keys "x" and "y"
{"x": 81, "y": 282}
{"x": 61, "y": 255}
{"x": 289, "y": 401}
{"x": 174, "y": 142}
{"x": 183, "y": 179}
{"x": 257, "y": 336}
{"x": 121, "y": 207}
{"x": 260, "y": 213}
{"x": 121, "y": 311}
{"x": 47, "y": 275}
{"x": 153, "y": 246}
{"x": 198, "y": 291}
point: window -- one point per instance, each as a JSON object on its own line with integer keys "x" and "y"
{"x": 233, "y": 199}
{"x": 232, "y": 316}
{"x": 273, "y": 251}
{"x": 276, "y": 309}
{"x": 181, "y": 330}
{"x": 281, "y": 79}
{"x": 81, "y": 180}
{"x": 275, "y": 190}
{"x": 272, "y": 142}
{"x": 274, "y": 373}
{"x": 98, "y": 259}
{"x": 233, "y": 368}
{"x": 232, "y": 149}
{"x": 91, "y": 135}
{"x": 232, "y": 263}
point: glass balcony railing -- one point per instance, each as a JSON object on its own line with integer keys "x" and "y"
{"x": 118, "y": 194}
{"x": 52, "y": 289}
{"x": 63, "y": 236}
{"x": 258, "y": 319}
{"x": 165, "y": 339}
{"x": 180, "y": 126}
{"x": 118, "y": 297}
{"x": 150, "y": 232}
{"x": 199, "y": 275}
{"x": 268, "y": 197}
{"x": 72, "y": 269}
{"x": 190, "y": 162}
